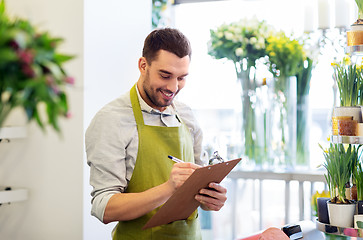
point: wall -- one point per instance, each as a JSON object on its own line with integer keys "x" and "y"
{"x": 48, "y": 165}
{"x": 107, "y": 38}
{"x": 114, "y": 35}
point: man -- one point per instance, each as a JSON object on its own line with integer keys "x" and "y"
{"x": 129, "y": 140}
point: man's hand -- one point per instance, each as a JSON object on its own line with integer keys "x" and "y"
{"x": 213, "y": 197}
{"x": 180, "y": 172}
{"x": 273, "y": 233}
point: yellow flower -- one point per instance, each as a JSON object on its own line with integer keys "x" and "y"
{"x": 359, "y": 67}
{"x": 346, "y": 60}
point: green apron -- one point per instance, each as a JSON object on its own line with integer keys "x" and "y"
{"x": 153, "y": 168}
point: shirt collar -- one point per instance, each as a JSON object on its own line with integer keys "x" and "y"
{"x": 170, "y": 110}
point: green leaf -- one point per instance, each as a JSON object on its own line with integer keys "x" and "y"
{"x": 61, "y": 58}
{"x": 7, "y": 55}
{"x": 2, "y": 8}
{"x": 54, "y": 69}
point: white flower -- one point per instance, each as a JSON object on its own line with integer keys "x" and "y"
{"x": 260, "y": 43}
{"x": 229, "y": 35}
{"x": 239, "y": 52}
{"x": 253, "y": 40}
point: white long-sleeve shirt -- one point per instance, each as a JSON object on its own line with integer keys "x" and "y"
{"x": 112, "y": 144}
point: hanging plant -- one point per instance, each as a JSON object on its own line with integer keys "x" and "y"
{"x": 32, "y": 76}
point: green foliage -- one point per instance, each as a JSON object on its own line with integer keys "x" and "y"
{"x": 340, "y": 163}
{"x": 360, "y": 8}
{"x": 358, "y": 175}
{"x": 349, "y": 81}
{"x": 31, "y": 72}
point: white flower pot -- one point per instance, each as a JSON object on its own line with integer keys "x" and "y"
{"x": 354, "y": 111}
{"x": 341, "y": 215}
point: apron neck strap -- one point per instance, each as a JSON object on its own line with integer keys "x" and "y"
{"x": 136, "y": 106}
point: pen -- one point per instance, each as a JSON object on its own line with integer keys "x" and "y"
{"x": 177, "y": 160}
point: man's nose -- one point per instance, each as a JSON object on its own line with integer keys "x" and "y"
{"x": 173, "y": 85}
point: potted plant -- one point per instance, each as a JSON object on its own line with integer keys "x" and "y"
{"x": 32, "y": 76}
{"x": 358, "y": 175}
{"x": 349, "y": 81}
{"x": 338, "y": 163}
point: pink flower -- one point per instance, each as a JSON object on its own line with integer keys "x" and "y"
{"x": 26, "y": 56}
{"x": 27, "y": 70}
{"x": 55, "y": 89}
{"x": 68, "y": 114}
{"x": 70, "y": 80}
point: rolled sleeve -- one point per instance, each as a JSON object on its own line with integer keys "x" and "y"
{"x": 107, "y": 139}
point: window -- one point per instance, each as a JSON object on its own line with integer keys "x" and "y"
{"x": 214, "y": 94}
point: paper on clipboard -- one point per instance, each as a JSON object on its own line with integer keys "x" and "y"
{"x": 182, "y": 203}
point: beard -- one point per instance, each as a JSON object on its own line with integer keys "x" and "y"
{"x": 155, "y": 95}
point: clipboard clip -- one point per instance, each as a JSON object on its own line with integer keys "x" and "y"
{"x": 216, "y": 158}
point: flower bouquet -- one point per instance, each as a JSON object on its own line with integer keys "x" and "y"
{"x": 244, "y": 43}
{"x": 286, "y": 59}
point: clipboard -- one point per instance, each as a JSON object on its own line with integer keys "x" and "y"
{"x": 182, "y": 203}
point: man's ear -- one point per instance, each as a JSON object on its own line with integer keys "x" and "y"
{"x": 142, "y": 65}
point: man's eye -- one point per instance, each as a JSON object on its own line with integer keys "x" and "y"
{"x": 165, "y": 76}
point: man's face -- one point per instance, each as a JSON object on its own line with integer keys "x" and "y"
{"x": 162, "y": 79}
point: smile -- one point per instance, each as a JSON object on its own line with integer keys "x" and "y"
{"x": 168, "y": 95}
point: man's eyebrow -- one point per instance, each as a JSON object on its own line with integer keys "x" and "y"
{"x": 167, "y": 72}
{"x": 164, "y": 71}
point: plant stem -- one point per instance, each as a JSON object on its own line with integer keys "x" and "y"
{"x": 5, "y": 109}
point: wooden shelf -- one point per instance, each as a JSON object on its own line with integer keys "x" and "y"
{"x": 12, "y": 132}
{"x": 14, "y": 195}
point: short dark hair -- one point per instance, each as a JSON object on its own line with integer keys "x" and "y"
{"x": 168, "y": 39}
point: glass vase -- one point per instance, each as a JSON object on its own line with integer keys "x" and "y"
{"x": 248, "y": 127}
{"x": 282, "y": 149}
{"x": 303, "y": 119}
{"x": 253, "y": 127}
